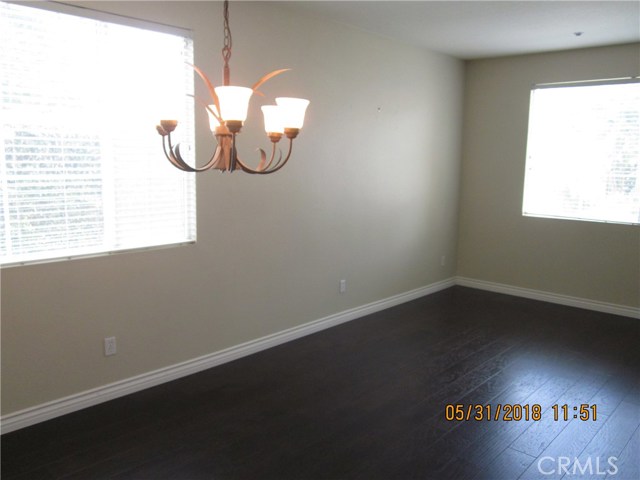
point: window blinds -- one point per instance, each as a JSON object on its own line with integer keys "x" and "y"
{"x": 583, "y": 152}
{"x": 82, "y": 170}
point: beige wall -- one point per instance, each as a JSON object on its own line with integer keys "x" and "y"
{"x": 496, "y": 243}
{"x": 371, "y": 196}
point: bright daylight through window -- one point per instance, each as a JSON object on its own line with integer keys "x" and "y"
{"x": 79, "y": 169}
{"x": 583, "y": 152}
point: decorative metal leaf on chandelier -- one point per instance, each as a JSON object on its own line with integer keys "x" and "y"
{"x": 227, "y": 115}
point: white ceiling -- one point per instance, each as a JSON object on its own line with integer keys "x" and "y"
{"x": 477, "y": 29}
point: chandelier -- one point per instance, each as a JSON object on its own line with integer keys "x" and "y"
{"x": 226, "y": 118}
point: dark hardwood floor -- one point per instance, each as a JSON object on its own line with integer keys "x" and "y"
{"x": 367, "y": 400}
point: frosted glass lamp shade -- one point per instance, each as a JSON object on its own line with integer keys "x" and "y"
{"x": 272, "y": 119}
{"x": 293, "y": 110}
{"x": 234, "y": 102}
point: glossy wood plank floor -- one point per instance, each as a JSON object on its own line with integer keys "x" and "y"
{"x": 367, "y": 400}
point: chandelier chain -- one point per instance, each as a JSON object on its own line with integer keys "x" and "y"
{"x": 226, "y": 49}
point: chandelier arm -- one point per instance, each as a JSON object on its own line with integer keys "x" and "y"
{"x": 277, "y": 162}
{"x": 263, "y": 159}
{"x": 263, "y": 165}
{"x": 284, "y": 162}
{"x": 277, "y": 167}
{"x": 244, "y": 167}
{"x": 171, "y": 157}
{"x": 273, "y": 154}
{"x": 176, "y": 159}
{"x": 207, "y": 166}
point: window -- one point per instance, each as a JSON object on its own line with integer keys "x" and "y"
{"x": 81, "y": 169}
{"x": 583, "y": 152}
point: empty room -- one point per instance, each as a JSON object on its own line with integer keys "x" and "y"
{"x": 320, "y": 240}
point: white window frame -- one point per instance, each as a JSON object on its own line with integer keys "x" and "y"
{"x": 536, "y": 173}
{"x": 187, "y": 131}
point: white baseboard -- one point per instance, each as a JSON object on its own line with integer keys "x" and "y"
{"x": 550, "y": 297}
{"x": 72, "y": 403}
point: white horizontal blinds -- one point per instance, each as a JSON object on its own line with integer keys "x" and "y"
{"x": 583, "y": 153}
{"x": 82, "y": 169}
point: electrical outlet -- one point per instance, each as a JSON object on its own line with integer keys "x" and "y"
{"x": 110, "y": 346}
{"x": 343, "y": 286}
{"x": 443, "y": 260}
